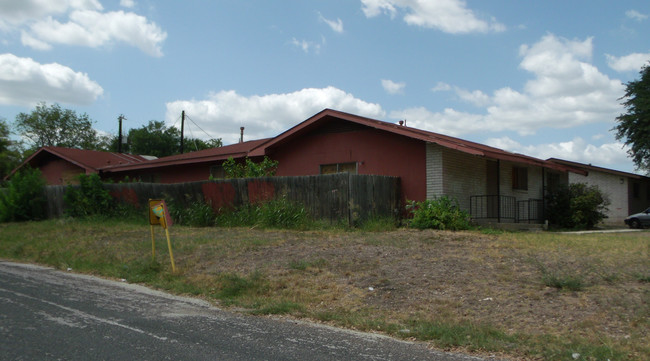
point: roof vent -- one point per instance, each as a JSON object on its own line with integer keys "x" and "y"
{"x": 241, "y": 134}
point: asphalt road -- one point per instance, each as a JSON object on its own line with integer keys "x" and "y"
{"x": 47, "y": 314}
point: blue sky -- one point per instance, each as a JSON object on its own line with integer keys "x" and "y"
{"x": 540, "y": 78}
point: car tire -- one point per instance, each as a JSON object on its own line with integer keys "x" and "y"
{"x": 634, "y": 223}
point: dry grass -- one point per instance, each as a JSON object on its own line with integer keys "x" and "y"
{"x": 411, "y": 284}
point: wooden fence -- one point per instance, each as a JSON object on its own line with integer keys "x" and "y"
{"x": 337, "y": 197}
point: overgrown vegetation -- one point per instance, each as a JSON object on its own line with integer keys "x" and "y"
{"x": 88, "y": 198}
{"x": 576, "y": 206}
{"x": 24, "y": 197}
{"x": 278, "y": 213}
{"x": 249, "y": 169}
{"x": 439, "y": 213}
{"x": 197, "y": 214}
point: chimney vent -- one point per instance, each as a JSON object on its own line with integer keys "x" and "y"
{"x": 401, "y": 122}
{"x": 241, "y": 135}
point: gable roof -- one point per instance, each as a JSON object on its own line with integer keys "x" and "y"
{"x": 237, "y": 150}
{"x": 589, "y": 167}
{"x": 446, "y": 141}
{"x": 89, "y": 160}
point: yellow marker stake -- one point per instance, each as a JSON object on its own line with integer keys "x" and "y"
{"x": 153, "y": 246}
{"x": 158, "y": 214}
{"x": 171, "y": 254}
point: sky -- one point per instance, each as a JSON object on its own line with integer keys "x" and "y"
{"x": 541, "y": 78}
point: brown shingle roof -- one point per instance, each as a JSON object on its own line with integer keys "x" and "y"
{"x": 423, "y": 135}
{"x": 90, "y": 160}
{"x": 208, "y": 155}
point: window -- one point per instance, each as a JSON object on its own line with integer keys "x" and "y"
{"x": 339, "y": 168}
{"x": 217, "y": 172}
{"x": 520, "y": 178}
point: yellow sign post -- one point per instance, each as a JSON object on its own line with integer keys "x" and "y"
{"x": 158, "y": 214}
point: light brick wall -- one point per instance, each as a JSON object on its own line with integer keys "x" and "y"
{"x": 434, "y": 170}
{"x": 460, "y": 175}
{"x": 464, "y": 175}
{"x": 614, "y": 186}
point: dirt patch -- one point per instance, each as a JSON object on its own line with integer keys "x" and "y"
{"x": 458, "y": 276}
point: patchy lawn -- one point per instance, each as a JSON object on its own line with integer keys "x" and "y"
{"x": 518, "y": 295}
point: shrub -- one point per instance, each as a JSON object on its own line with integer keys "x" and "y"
{"x": 88, "y": 198}
{"x": 24, "y": 197}
{"x": 439, "y": 213}
{"x": 576, "y": 206}
{"x": 249, "y": 169}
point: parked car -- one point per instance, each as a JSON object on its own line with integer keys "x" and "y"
{"x": 639, "y": 220}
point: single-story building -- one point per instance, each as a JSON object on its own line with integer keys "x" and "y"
{"x": 60, "y": 166}
{"x": 490, "y": 183}
{"x": 628, "y": 193}
{"x": 187, "y": 167}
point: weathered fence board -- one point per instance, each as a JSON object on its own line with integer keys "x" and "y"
{"x": 340, "y": 197}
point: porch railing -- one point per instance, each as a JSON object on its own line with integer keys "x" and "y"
{"x": 506, "y": 209}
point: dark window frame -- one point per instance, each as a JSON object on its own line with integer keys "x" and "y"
{"x": 520, "y": 178}
{"x": 340, "y": 167}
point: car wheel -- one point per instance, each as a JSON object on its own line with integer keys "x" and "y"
{"x": 635, "y": 223}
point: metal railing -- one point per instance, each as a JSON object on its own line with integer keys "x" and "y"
{"x": 499, "y": 208}
{"x": 530, "y": 211}
{"x": 506, "y": 209}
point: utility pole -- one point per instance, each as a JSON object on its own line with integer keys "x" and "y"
{"x": 182, "y": 129}
{"x": 119, "y": 135}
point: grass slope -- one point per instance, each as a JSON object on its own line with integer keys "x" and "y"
{"x": 520, "y": 295}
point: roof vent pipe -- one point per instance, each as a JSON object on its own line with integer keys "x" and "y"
{"x": 241, "y": 134}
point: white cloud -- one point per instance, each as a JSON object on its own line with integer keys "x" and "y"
{"x": 306, "y": 46}
{"x": 45, "y": 23}
{"x": 335, "y": 25}
{"x": 450, "y": 16}
{"x": 393, "y": 87}
{"x": 127, "y": 3}
{"x": 635, "y": 15}
{"x": 565, "y": 91}
{"x": 475, "y": 97}
{"x": 631, "y": 62}
{"x": 13, "y": 13}
{"x": 94, "y": 29}
{"x": 577, "y": 150}
{"x": 441, "y": 86}
{"x": 26, "y": 82}
{"x": 222, "y": 113}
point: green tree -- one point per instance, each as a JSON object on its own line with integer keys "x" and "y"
{"x": 54, "y": 126}
{"x": 154, "y": 139}
{"x": 634, "y": 126}
{"x": 24, "y": 198}
{"x": 576, "y": 206}
{"x": 9, "y": 151}
{"x": 158, "y": 140}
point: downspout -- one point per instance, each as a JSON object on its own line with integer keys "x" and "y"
{"x": 498, "y": 191}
